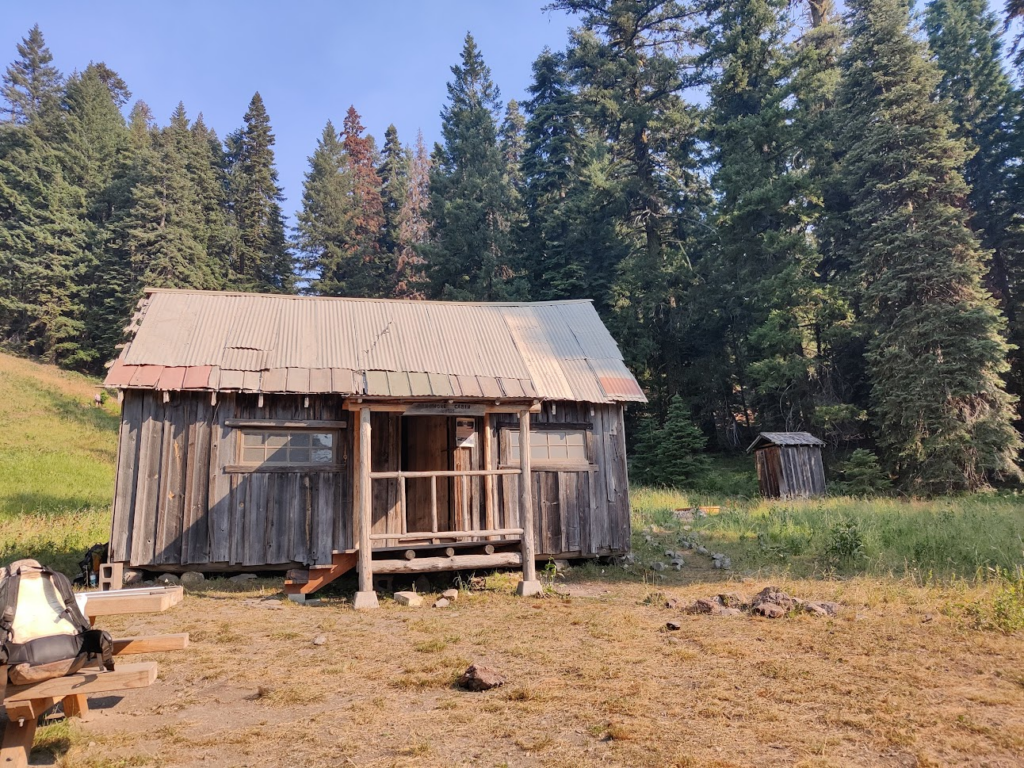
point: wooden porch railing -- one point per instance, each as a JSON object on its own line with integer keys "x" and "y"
{"x": 434, "y": 534}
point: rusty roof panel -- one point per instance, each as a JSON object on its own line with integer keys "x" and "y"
{"x": 119, "y": 374}
{"x": 172, "y": 378}
{"x": 541, "y": 345}
{"x": 197, "y": 377}
{"x": 146, "y": 376}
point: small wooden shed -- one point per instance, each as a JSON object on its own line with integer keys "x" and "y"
{"x": 317, "y": 435}
{"x": 789, "y": 464}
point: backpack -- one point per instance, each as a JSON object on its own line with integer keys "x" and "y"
{"x": 44, "y": 632}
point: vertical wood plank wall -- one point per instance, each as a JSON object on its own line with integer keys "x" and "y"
{"x": 175, "y": 505}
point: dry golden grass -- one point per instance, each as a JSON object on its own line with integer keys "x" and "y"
{"x": 895, "y": 679}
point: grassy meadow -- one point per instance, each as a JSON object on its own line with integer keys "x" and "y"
{"x": 922, "y": 665}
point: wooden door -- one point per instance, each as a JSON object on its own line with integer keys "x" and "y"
{"x": 466, "y": 455}
{"x": 425, "y": 448}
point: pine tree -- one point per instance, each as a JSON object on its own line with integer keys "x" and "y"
{"x": 671, "y": 455}
{"x": 32, "y": 85}
{"x": 757, "y": 293}
{"x": 394, "y": 189}
{"x": 936, "y": 353}
{"x": 261, "y": 260}
{"x": 326, "y": 217}
{"x": 366, "y": 215}
{"x": 414, "y": 227}
{"x": 571, "y": 206}
{"x": 963, "y": 35}
{"x": 472, "y": 202}
{"x": 628, "y": 61}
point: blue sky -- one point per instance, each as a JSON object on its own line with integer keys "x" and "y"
{"x": 308, "y": 59}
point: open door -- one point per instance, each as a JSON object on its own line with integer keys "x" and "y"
{"x": 424, "y": 449}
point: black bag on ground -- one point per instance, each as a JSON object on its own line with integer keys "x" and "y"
{"x": 44, "y": 632}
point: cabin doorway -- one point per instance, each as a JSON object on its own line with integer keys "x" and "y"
{"x": 440, "y": 443}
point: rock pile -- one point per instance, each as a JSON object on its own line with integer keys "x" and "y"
{"x": 770, "y": 602}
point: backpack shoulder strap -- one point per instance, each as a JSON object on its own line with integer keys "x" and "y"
{"x": 67, "y": 594}
{"x": 9, "y": 601}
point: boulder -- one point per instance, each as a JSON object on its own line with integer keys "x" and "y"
{"x": 168, "y": 579}
{"x": 673, "y": 625}
{"x": 728, "y": 612}
{"x": 821, "y": 608}
{"x": 192, "y": 579}
{"x": 703, "y": 605}
{"x": 477, "y": 677}
{"x": 658, "y": 566}
{"x": 421, "y": 585}
{"x": 702, "y": 550}
{"x": 678, "y": 563}
{"x": 320, "y": 640}
{"x": 732, "y": 600}
{"x": 672, "y": 602}
{"x": 132, "y": 577}
{"x": 769, "y": 610}
{"x": 410, "y": 599}
{"x": 441, "y": 602}
{"x": 451, "y": 595}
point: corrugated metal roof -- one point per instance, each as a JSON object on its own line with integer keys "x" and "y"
{"x": 785, "y": 438}
{"x": 276, "y": 343}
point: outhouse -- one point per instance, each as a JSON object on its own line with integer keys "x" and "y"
{"x": 789, "y": 464}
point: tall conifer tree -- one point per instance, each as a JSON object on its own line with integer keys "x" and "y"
{"x": 394, "y": 188}
{"x": 963, "y": 34}
{"x": 261, "y": 260}
{"x": 472, "y": 201}
{"x": 325, "y": 219}
{"x": 366, "y": 214}
{"x": 414, "y": 227}
{"x": 935, "y": 353}
{"x": 32, "y": 85}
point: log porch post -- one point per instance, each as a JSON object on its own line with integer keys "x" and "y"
{"x": 365, "y": 597}
{"x": 529, "y": 585}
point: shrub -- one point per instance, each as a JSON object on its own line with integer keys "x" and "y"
{"x": 861, "y": 475}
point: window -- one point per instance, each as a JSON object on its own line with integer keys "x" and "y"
{"x": 549, "y": 446}
{"x": 287, "y": 448}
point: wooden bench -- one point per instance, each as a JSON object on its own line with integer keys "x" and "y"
{"x": 25, "y": 703}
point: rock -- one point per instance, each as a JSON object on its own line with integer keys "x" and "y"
{"x": 132, "y": 576}
{"x": 702, "y": 550}
{"x": 167, "y": 579}
{"x": 477, "y": 677}
{"x": 732, "y": 600}
{"x": 672, "y": 602}
{"x": 728, "y": 612}
{"x": 670, "y": 554}
{"x": 821, "y": 608}
{"x": 450, "y": 594}
{"x": 703, "y": 605}
{"x": 320, "y": 640}
{"x": 192, "y": 579}
{"x": 242, "y": 577}
{"x": 561, "y": 565}
{"x": 678, "y": 563}
{"x": 410, "y": 599}
{"x": 726, "y": 563}
{"x": 441, "y": 602}
{"x": 149, "y": 583}
{"x": 673, "y": 625}
{"x": 927, "y": 618}
{"x": 716, "y": 563}
{"x": 777, "y": 597}
{"x": 421, "y": 585}
{"x": 658, "y": 566}
{"x": 769, "y": 610}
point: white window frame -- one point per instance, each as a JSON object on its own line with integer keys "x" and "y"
{"x": 581, "y": 439}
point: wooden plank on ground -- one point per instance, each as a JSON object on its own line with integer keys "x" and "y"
{"x": 125, "y": 646}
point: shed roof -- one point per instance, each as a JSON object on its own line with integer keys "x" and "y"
{"x": 784, "y": 438}
{"x": 208, "y": 340}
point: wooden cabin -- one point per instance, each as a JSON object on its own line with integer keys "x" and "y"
{"x": 317, "y": 435}
{"x": 789, "y": 464}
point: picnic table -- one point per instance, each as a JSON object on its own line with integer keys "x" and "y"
{"x": 26, "y": 703}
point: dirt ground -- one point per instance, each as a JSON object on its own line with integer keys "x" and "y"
{"x": 594, "y": 678}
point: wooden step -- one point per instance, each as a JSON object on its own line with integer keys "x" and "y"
{"x": 306, "y": 582}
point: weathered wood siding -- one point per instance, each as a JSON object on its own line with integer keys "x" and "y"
{"x": 575, "y": 512}
{"x": 790, "y": 471}
{"x": 174, "y": 503}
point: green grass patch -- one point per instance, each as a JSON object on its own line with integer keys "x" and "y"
{"x": 57, "y": 459}
{"x": 967, "y": 536}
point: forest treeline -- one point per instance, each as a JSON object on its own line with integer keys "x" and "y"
{"x": 790, "y": 217}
